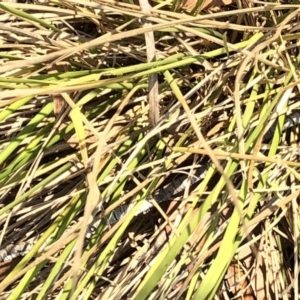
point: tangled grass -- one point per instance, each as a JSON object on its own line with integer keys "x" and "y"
{"x": 96, "y": 111}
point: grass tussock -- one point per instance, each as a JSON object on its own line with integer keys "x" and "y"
{"x": 106, "y": 102}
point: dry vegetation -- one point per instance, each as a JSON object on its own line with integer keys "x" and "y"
{"x": 96, "y": 111}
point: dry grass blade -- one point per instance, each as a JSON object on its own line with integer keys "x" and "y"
{"x": 151, "y": 56}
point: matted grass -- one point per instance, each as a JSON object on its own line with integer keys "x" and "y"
{"x": 79, "y": 136}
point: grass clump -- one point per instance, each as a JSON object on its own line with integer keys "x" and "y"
{"x": 104, "y": 103}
